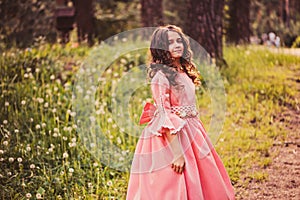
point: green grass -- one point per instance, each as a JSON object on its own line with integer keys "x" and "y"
{"x": 41, "y": 148}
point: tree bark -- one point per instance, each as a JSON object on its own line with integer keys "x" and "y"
{"x": 205, "y": 25}
{"x": 151, "y": 13}
{"x": 239, "y": 22}
{"x": 287, "y": 13}
{"x": 84, "y": 16}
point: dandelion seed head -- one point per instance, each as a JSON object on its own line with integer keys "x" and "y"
{"x": 19, "y": 160}
{"x": 6, "y": 104}
{"x": 65, "y": 155}
{"x": 5, "y": 121}
{"x": 71, "y": 170}
{"x": 28, "y": 195}
{"x": 32, "y": 166}
{"x": 40, "y": 100}
{"x": 73, "y": 114}
{"x": 1, "y": 151}
{"x": 11, "y": 159}
{"x": 23, "y": 102}
{"x": 52, "y": 77}
{"x": 37, "y": 126}
{"x": 38, "y": 196}
{"x": 119, "y": 141}
{"x": 109, "y": 183}
{"x": 16, "y": 131}
{"x": 5, "y": 143}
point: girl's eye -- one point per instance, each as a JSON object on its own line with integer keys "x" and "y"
{"x": 179, "y": 40}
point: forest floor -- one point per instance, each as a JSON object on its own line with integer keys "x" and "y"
{"x": 283, "y": 179}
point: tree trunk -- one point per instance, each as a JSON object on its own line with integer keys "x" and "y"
{"x": 84, "y": 16}
{"x": 151, "y": 13}
{"x": 205, "y": 25}
{"x": 287, "y": 13}
{"x": 239, "y": 22}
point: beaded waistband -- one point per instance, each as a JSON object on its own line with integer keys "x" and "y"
{"x": 185, "y": 111}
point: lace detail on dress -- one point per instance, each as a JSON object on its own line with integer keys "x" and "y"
{"x": 185, "y": 111}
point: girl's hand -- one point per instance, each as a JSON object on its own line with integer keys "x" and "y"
{"x": 178, "y": 164}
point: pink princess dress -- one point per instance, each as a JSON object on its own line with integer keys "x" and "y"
{"x": 151, "y": 177}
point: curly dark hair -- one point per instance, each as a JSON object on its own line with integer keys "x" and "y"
{"x": 161, "y": 58}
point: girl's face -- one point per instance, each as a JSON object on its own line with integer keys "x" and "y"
{"x": 176, "y": 47}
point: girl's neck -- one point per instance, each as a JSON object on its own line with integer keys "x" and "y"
{"x": 177, "y": 64}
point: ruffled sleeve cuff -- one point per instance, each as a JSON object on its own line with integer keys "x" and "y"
{"x": 163, "y": 122}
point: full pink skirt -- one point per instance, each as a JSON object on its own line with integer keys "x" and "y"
{"x": 204, "y": 176}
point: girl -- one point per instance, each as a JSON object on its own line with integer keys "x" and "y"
{"x": 174, "y": 158}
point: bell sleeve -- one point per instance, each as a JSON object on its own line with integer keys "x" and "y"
{"x": 163, "y": 118}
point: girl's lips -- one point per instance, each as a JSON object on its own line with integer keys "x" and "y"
{"x": 178, "y": 51}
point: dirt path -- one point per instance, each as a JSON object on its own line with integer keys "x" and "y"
{"x": 283, "y": 182}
